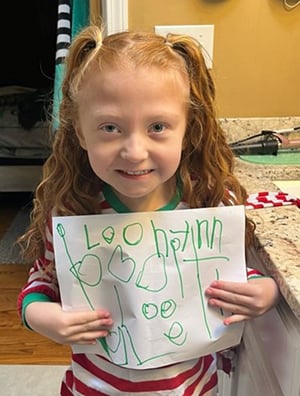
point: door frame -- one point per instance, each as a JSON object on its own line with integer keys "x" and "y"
{"x": 115, "y": 15}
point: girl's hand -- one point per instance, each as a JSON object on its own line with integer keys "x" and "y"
{"x": 48, "y": 319}
{"x": 244, "y": 300}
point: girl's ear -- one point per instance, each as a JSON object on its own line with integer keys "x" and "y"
{"x": 80, "y": 136}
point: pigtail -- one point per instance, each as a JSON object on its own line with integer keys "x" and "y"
{"x": 81, "y": 54}
{"x": 191, "y": 51}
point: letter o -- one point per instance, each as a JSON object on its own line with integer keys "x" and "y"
{"x": 133, "y": 234}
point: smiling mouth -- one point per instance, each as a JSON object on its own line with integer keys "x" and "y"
{"x": 136, "y": 173}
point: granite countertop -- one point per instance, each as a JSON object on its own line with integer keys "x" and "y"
{"x": 277, "y": 228}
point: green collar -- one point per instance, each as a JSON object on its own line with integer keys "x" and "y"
{"x": 119, "y": 207}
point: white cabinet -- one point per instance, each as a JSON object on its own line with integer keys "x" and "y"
{"x": 268, "y": 361}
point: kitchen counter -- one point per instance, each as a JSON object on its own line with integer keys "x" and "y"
{"x": 278, "y": 228}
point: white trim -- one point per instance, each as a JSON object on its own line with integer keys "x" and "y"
{"x": 115, "y": 15}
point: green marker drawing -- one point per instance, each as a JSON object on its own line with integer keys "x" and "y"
{"x": 61, "y": 232}
{"x": 121, "y": 266}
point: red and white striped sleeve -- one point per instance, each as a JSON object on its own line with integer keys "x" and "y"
{"x": 42, "y": 276}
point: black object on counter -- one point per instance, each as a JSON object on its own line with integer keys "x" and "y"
{"x": 264, "y": 143}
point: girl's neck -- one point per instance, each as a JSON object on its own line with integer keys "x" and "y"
{"x": 167, "y": 201}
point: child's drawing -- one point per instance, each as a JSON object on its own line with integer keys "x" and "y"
{"x": 150, "y": 271}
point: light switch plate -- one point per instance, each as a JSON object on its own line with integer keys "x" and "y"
{"x": 202, "y": 33}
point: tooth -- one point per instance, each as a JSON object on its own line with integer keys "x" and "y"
{"x": 137, "y": 172}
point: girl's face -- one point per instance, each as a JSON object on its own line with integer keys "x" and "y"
{"x": 132, "y": 123}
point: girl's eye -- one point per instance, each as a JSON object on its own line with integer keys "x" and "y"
{"x": 158, "y": 127}
{"x": 109, "y": 128}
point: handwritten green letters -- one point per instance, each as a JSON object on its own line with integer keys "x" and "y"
{"x": 150, "y": 270}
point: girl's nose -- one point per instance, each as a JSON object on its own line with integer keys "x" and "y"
{"x": 134, "y": 149}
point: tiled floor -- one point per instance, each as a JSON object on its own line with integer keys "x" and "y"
{"x": 29, "y": 380}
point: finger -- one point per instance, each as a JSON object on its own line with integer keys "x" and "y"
{"x": 234, "y": 319}
{"x": 226, "y": 296}
{"x": 227, "y": 306}
{"x": 88, "y": 320}
{"x": 87, "y": 316}
{"x": 99, "y": 325}
{"x": 90, "y": 338}
{"x": 242, "y": 288}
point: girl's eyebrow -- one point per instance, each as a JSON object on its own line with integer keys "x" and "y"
{"x": 151, "y": 116}
{"x": 105, "y": 114}
{"x": 162, "y": 117}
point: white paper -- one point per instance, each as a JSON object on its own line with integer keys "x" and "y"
{"x": 150, "y": 271}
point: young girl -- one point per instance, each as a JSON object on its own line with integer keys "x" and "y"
{"x": 138, "y": 132}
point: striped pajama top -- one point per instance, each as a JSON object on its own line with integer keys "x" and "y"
{"x": 91, "y": 374}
